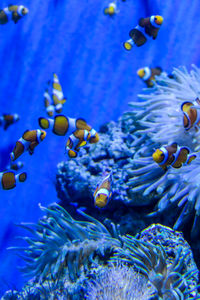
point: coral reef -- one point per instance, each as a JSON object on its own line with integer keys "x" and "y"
{"x": 73, "y": 259}
{"x": 127, "y": 146}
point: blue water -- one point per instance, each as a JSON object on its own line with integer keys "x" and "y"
{"x": 84, "y": 47}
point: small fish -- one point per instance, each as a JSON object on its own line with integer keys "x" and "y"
{"x": 111, "y": 10}
{"x": 7, "y": 120}
{"x": 76, "y": 140}
{"x": 62, "y": 125}
{"x": 16, "y": 166}
{"x": 148, "y": 75}
{"x": 147, "y": 27}
{"x": 8, "y": 179}
{"x": 173, "y": 155}
{"x": 50, "y": 108}
{"x": 55, "y": 103}
{"x": 191, "y": 115}
{"x": 29, "y": 140}
{"x": 12, "y": 12}
{"x": 103, "y": 192}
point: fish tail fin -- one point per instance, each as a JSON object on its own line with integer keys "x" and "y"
{"x": 128, "y": 45}
{"x": 72, "y": 153}
{"x": 21, "y": 177}
{"x": 44, "y": 123}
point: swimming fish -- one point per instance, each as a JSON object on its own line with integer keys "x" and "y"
{"x": 103, "y": 192}
{"x": 50, "y": 108}
{"x": 12, "y": 12}
{"x": 147, "y": 27}
{"x": 8, "y": 179}
{"x": 76, "y": 140}
{"x": 111, "y": 10}
{"x": 173, "y": 155}
{"x": 16, "y": 165}
{"x": 191, "y": 116}
{"x": 62, "y": 125}
{"x": 29, "y": 140}
{"x": 55, "y": 103}
{"x": 148, "y": 75}
{"x": 7, "y": 120}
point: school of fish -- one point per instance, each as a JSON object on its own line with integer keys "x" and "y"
{"x": 77, "y": 131}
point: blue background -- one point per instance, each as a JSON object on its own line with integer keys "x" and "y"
{"x": 84, "y": 47}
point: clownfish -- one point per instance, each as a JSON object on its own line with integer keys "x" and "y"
{"x": 62, "y": 125}
{"x": 12, "y": 12}
{"x": 147, "y": 27}
{"x": 7, "y": 120}
{"x": 103, "y": 192}
{"x": 8, "y": 179}
{"x": 148, "y": 75}
{"x": 76, "y": 140}
{"x": 29, "y": 140}
{"x": 173, "y": 155}
{"x": 111, "y": 10}
{"x": 16, "y": 165}
{"x": 55, "y": 103}
{"x": 191, "y": 116}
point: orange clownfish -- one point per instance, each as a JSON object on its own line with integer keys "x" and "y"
{"x": 7, "y": 120}
{"x": 9, "y": 179}
{"x": 76, "y": 140}
{"x": 191, "y": 116}
{"x": 103, "y": 192}
{"x": 147, "y": 27}
{"x": 12, "y": 12}
{"x": 55, "y": 103}
{"x": 29, "y": 140}
{"x": 111, "y": 10}
{"x": 173, "y": 155}
{"x": 148, "y": 75}
{"x": 62, "y": 125}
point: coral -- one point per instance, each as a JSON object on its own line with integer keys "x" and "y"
{"x": 59, "y": 241}
{"x": 157, "y": 120}
{"x": 119, "y": 282}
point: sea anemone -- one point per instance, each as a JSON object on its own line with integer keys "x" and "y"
{"x": 157, "y": 120}
{"x": 169, "y": 281}
{"x": 66, "y": 256}
{"x": 61, "y": 242}
{"x": 119, "y": 282}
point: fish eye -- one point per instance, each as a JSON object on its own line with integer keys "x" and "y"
{"x": 155, "y": 19}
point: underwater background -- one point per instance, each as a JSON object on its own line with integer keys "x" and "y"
{"x": 84, "y": 47}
